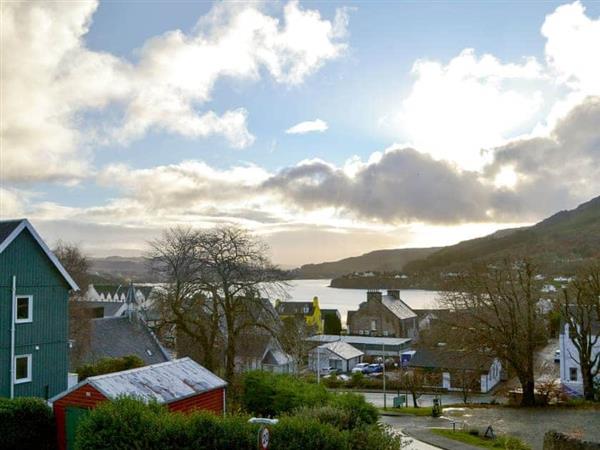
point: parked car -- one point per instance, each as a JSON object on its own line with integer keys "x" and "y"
{"x": 374, "y": 368}
{"x": 328, "y": 371}
{"x": 343, "y": 377}
{"x": 557, "y": 356}
{"x": 360, "y": 368}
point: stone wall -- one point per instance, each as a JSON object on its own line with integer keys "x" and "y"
{"x": 554, "y": 440}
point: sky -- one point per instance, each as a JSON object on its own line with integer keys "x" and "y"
{"x": 329, "y": 129}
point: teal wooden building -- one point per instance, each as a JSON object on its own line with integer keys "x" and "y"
{"x": 34, "y": 290}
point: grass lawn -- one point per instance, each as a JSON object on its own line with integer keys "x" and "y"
{"x": 423, "y": 411}
{"x": 504, "y": 442}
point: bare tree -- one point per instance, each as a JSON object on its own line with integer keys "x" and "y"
{"x": 495, "y": 308}
{"x": 181, "y": 303}
{"x": 413, "y": 381}
{"x": 581, "y": 312}
{"x": 293, "y": 335}
{"x": 468, "y": 381}
{"x": 215, "y": 279}
{"x": 77, "y": 265}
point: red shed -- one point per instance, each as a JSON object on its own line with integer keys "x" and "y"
{"x": 182, "y": 384}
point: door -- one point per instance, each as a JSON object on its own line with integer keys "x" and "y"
{"x": 73, "y": 416}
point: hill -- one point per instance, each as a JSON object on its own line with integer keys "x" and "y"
{"x": 558, "y": 244}
{"x": 378, "y": 261}
{"x": 119, "y": 269}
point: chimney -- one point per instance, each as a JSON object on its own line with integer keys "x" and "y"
{"x": 395, "y": 293}
{"x": 374, "y": 295}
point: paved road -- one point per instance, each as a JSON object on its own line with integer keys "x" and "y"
{"x": 529, "y": 424}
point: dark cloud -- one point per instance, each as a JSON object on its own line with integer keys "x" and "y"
{"x": 404, "y": 185}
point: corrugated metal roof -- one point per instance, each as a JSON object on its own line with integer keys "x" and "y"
{"x": 398, "y": 307}
{"x": 342, "y": 349}
{"x": 368, "y": 340}
{"x": 164, "y": 383}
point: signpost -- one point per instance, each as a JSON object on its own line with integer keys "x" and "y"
{"x": 264, "y": 433}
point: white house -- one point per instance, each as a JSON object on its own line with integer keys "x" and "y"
{"x": 339, "y": 355}
{"x": 570, "y": 370}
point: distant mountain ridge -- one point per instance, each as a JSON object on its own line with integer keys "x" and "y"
{"x": 558, "y": 243}
{"x": 378, "y": 261}
{"x": 119, "y": 269}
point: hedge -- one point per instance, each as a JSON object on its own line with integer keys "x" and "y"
{"x": 130, "y": 424}
{"x": 26, "y": 424}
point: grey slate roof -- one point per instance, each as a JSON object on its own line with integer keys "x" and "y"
{"x": 116, "y": 337}
{"x": 450, "y": 359}
{"x": 397, "y": 307}
{"x": 295, "y": 308}
{"x": 164, "y": 383}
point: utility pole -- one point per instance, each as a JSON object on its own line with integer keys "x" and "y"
{"x": 318, "y": 364}
{"x": 383, "y": 355}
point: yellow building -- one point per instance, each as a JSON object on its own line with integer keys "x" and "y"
{"x": 309, "y": 310}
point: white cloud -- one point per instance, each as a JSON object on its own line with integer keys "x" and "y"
{"x": 53, "y": 79}
{"x": 308, "y": 126}
{"x": 572, "y": 47}
{"x": 455, "y": 110}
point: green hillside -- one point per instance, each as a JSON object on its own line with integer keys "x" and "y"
{"x": 558, "y": 244}
{"x": 378, "y": 261}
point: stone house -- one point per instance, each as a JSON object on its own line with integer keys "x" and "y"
{"x": 383, "y": 315}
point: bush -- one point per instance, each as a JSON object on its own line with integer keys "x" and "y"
{"x": 361, "y": 411}
{"x": 266, "y": 394}
{"x": 130, "y": 424}
{"x": 374, "y": 437}
{"x": 121, "y": 424}
{"x": 109, "y": 365}
{"x": 301, "y": 433}
{"x": 26, "y": 423}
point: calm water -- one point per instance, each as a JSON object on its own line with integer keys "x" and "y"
{"x": 349, "y": 299}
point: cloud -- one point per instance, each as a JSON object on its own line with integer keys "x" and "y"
{"x": 308, "y": 127}
{"x": 454, "y": 110}
{"x": 54, "y": 83}
{"x": 572, "y": 47}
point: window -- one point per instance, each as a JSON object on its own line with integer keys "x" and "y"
{"x": 573, "y": 373}
{"x": 24, "y": 311}
{"x": 22, "y": 368}
{"x": 385, "y": 332}
{"x": 373, "y": 325}
{"x": 305, "y": 309}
